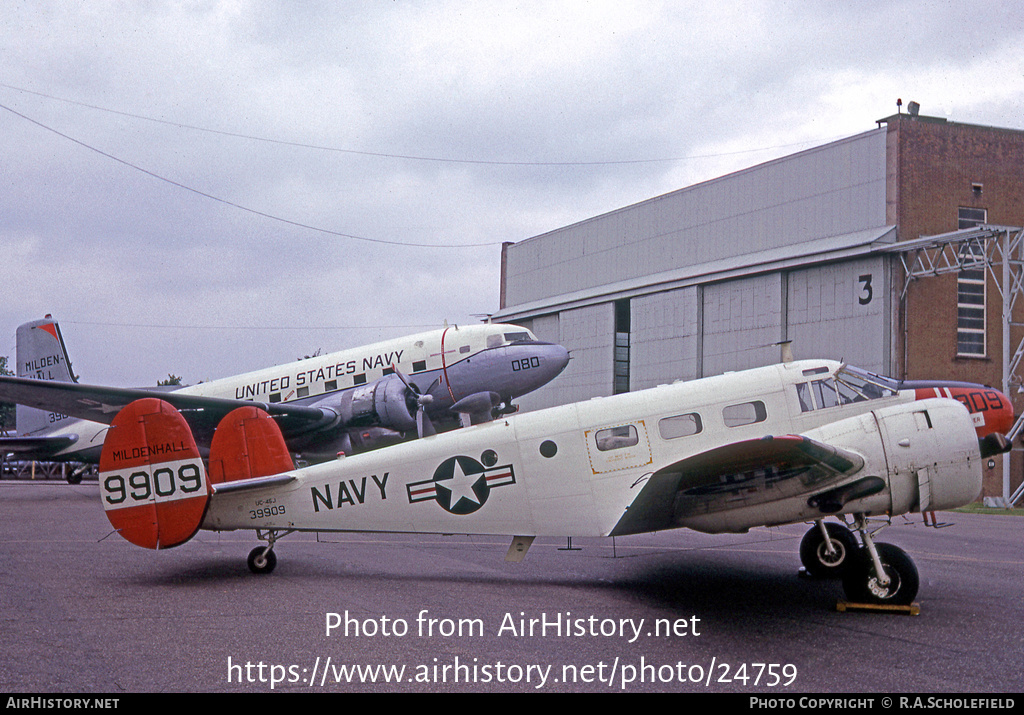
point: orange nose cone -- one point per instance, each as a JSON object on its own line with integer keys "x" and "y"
{"x": 990, "y": 409}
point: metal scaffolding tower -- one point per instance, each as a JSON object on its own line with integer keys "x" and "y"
{"x": 999, "y": 251}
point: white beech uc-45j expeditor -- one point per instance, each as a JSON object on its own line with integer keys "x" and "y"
{"x": 793, "y": 442}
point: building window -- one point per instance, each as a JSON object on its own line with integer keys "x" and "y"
{"x": 621, "y": 361}
{"x": 970, "y": 289}
{"x": 969, "y": 218}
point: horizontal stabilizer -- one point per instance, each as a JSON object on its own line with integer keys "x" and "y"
{"x": 276, "y": 480}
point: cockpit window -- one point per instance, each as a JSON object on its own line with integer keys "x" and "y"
{"x": 867, "y": 384}
{"x": 517, "y": 337}
{"x": 847, "y": 386}
{"x": 825, "y": 393}
{"x": 803, "y": 393}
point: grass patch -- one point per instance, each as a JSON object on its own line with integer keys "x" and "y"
{"x": 980, "y": 508}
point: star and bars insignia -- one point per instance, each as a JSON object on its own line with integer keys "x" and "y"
{"x": 461, "y": 485}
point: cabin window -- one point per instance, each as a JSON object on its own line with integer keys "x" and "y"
{"x": 680, "y": 426}
{"x": 616, "y": 438}
{"x": 302, "y": 392}
{"x": 330, "y": 386}
{"x": 745, "y": 413}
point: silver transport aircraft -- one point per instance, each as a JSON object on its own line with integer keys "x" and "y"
{"x": 343, "y": 402}
{"x": 800, "y": 441}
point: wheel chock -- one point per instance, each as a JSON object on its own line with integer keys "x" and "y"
{"x": 911, "y": 609}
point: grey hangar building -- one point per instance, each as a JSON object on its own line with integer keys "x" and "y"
{"x": 898, "y": 250}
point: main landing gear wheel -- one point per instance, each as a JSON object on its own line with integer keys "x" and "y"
{"x": 818, "y": 559}
{"x": 262, "y": 560}
{"x": 863, "y": 585}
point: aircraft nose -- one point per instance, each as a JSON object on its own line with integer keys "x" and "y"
{"x": 538, "y": 363}
{"x": 559, "y": 358}
{"x": 553, "y": 358}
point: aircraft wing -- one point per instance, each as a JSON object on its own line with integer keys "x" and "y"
{"x": 739, "y": 475}
{"x": 101, "y": 404}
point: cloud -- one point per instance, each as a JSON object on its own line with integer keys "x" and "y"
{"x": 441, "y": 123}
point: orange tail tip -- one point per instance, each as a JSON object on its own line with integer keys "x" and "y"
{"x": 990, "y": 409}
{"x": 152, "y": 481}
{"x": 248, "y": 444}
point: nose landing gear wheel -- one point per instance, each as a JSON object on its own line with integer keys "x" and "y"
{"x": 262, "y": 560}
{"x": 814, "y": 552}
{"x": 863, "y": 585}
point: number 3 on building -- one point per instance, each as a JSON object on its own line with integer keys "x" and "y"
{"x": 865, "y": 294}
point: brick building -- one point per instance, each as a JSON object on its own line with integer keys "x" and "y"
{"x": 945, "y": 177}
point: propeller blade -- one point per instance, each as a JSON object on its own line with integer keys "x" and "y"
{"x": 404, "y": 379}
{"x": 424, "y": 427}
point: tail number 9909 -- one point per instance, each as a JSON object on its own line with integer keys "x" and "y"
{"x": 166, "y": 482}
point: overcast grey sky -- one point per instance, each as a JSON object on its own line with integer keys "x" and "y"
{"x": 204, "y": 188}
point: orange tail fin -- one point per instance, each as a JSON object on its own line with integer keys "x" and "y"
{"x": 247, "y": 444}
{"x": 152, "y": 481}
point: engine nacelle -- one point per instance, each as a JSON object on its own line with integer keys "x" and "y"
{"x": 933, "y": 454}
{"x": 384, "y": 403}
